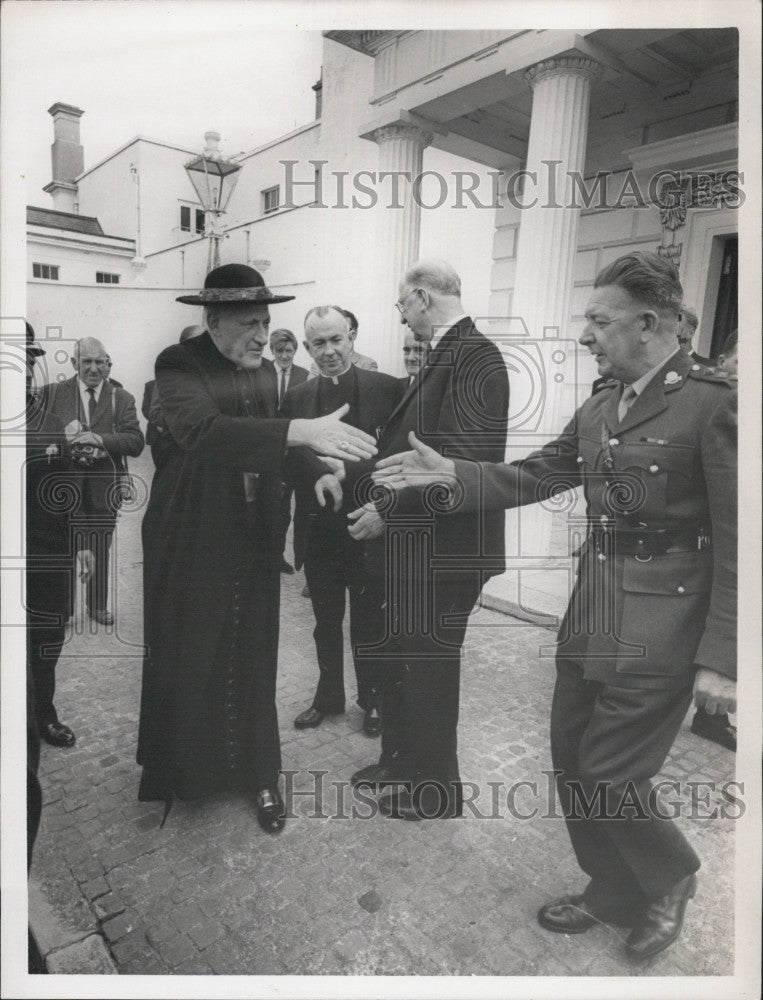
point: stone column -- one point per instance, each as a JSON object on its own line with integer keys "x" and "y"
{"x": 398, "y": 225}
{"x": 544, "y": 272}
{"x": 548, "y": 230}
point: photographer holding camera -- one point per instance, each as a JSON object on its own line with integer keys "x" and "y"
{"x": 101, "y": 427}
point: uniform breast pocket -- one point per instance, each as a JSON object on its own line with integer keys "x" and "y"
{"x": 665, "y": 603}
{"x": 657, "y": 471}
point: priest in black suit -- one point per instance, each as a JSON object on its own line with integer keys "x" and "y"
{"x": 436, "y": 566}
{"x": 335, "y": 564}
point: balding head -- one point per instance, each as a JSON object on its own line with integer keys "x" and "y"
{"x": 328, "y": 340}
{"x": 89, "y": 345}
{"x": 90, "y": 361}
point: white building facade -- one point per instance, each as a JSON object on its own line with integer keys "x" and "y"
{"x": 529, "y": 159}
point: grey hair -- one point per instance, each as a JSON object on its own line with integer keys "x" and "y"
{"x": 321, "y": 312}
{"x": 87, "y": 342}
{"x": 434, "y": 275}
{"x": 646, "y": 277}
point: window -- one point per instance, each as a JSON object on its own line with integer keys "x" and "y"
{"x": 198, "y": 219}
{"x": 270, "y": 200}
{"x": 49, "y": 271}
{"x": 104, "y": 278}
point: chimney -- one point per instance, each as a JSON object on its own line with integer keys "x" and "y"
{"x": 67, "y": 156}
{"x": 318, "y": 88}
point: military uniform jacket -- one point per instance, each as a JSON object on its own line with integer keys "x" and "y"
{"x": 667, "y": 474}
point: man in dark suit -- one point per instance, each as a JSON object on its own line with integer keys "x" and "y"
{"x": 653, "y": 612}
{"x": 688, "y": 322}
{"x": 102, "y": 428}
{"x": 334, "y": 562}
{"x": 283, "y": 346}
{"x": 436, "y": 566}
{"x": 49, "y": 566}
{"x": 414, "y": 352}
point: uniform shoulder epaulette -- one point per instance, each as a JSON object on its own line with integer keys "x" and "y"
{"x": 603, "y": 383}
{"x": 713, "y": 373}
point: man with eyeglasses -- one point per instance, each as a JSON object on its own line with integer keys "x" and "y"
{"x": 435, "y": 566}
{"x": 101, "y": 426}
{"x": 652, "y": 616}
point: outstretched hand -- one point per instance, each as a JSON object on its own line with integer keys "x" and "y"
{"x": 329, "y": 436}
{"x": 418, "y": 467}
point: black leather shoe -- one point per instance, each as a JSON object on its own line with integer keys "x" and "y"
{"x": 309, "y": 719}
{"x": 271, "y": 813}
{"x": 573, "y": 915}
{"x": 401, "y": 804}
{"x": 312, "y": 718}
{"x": 58, "y": 735}
{"x": 286, "y": 567}
{"x": 102, "y": 617}
{"x": 715, "y": 727}
{"x": 398, "y": 804}
{"x": 372, "y": 723}
{"x": 375, "y": 776}
{"x": 661, "y": 923}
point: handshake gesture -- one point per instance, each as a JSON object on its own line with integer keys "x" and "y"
{"x": 418, "y": 468}
{"x": 329, "y": 436}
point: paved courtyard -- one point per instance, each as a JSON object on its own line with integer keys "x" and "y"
{"x": 210, "y": 893}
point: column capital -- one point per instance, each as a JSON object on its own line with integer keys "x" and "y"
{"x": 563, "y": 66}
{"x": 400, "y": 130}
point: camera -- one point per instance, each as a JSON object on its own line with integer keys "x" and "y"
{"x": 85, "y": 455}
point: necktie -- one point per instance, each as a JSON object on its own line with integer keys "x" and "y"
{"x": 282, "y": 388}
{"x": 629, "y": 394}
{"x": 91, "y": 407}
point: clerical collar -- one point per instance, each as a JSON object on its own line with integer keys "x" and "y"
{"x": 335, "y": 378}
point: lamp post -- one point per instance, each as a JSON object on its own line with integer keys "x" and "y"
{"x": 214, "y": 180}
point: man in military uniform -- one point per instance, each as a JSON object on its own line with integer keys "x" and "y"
{"x": 653, "y": 611}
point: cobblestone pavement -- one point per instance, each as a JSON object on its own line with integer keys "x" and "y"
{"x": 211, "y": 893}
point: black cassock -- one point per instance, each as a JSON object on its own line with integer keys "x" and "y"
{"x": 211, "y": 549}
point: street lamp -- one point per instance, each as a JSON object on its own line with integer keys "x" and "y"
{"x": 214, "y": 179}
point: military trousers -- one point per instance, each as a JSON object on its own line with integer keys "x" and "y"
{"x": 607, "y": 743}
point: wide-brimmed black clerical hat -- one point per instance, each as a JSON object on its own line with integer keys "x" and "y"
{"x": 32, "y": 347}
{"x": 234, "y": 283}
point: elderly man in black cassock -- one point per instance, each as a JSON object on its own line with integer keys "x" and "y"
{"x": 212, "y": 554}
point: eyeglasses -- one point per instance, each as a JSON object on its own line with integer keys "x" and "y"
{"x": 400, "y": 304}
